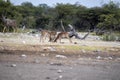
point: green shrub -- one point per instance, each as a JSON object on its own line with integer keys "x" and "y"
{"x": 111, "y": 37}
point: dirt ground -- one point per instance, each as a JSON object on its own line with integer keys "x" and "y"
{"x": 29, "y": 44}
{"x": 24, "y": 57}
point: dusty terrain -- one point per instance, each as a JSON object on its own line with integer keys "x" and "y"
{"x": 23, "y": 57}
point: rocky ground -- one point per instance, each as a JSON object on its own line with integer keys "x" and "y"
{"x": 23, "y": 57}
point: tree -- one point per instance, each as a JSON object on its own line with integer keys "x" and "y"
{"x": 27, "y": 12}
{"x": 44, "y": 16}
{"x": 108, "y": 22}
{"x": 66, "y": 13}
{"x": 109, "y": 19}
{"x": 42, "y": 22}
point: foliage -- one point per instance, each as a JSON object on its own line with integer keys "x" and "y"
{"x": 82, "y": 18}
{"x": 42, "y": 22}
{"x": 111, "y": 37}
{"x": 107, "y": 21}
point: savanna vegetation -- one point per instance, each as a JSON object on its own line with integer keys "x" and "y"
{"x": 43, "y": 16}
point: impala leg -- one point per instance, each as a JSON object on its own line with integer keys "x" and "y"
{"x": 69, "y": 39}
{"x": 60, "y": 39}
{"x": 15, "y": 29}
{"x": 8, "y": 28}
{"x": 41, "y": 37}
{"x": 4, "y": 29}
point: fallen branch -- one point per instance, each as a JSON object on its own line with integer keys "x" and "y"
{"x": 62, "y": 26}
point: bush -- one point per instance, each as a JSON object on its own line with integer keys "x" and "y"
{"x": 111, "y": 37}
